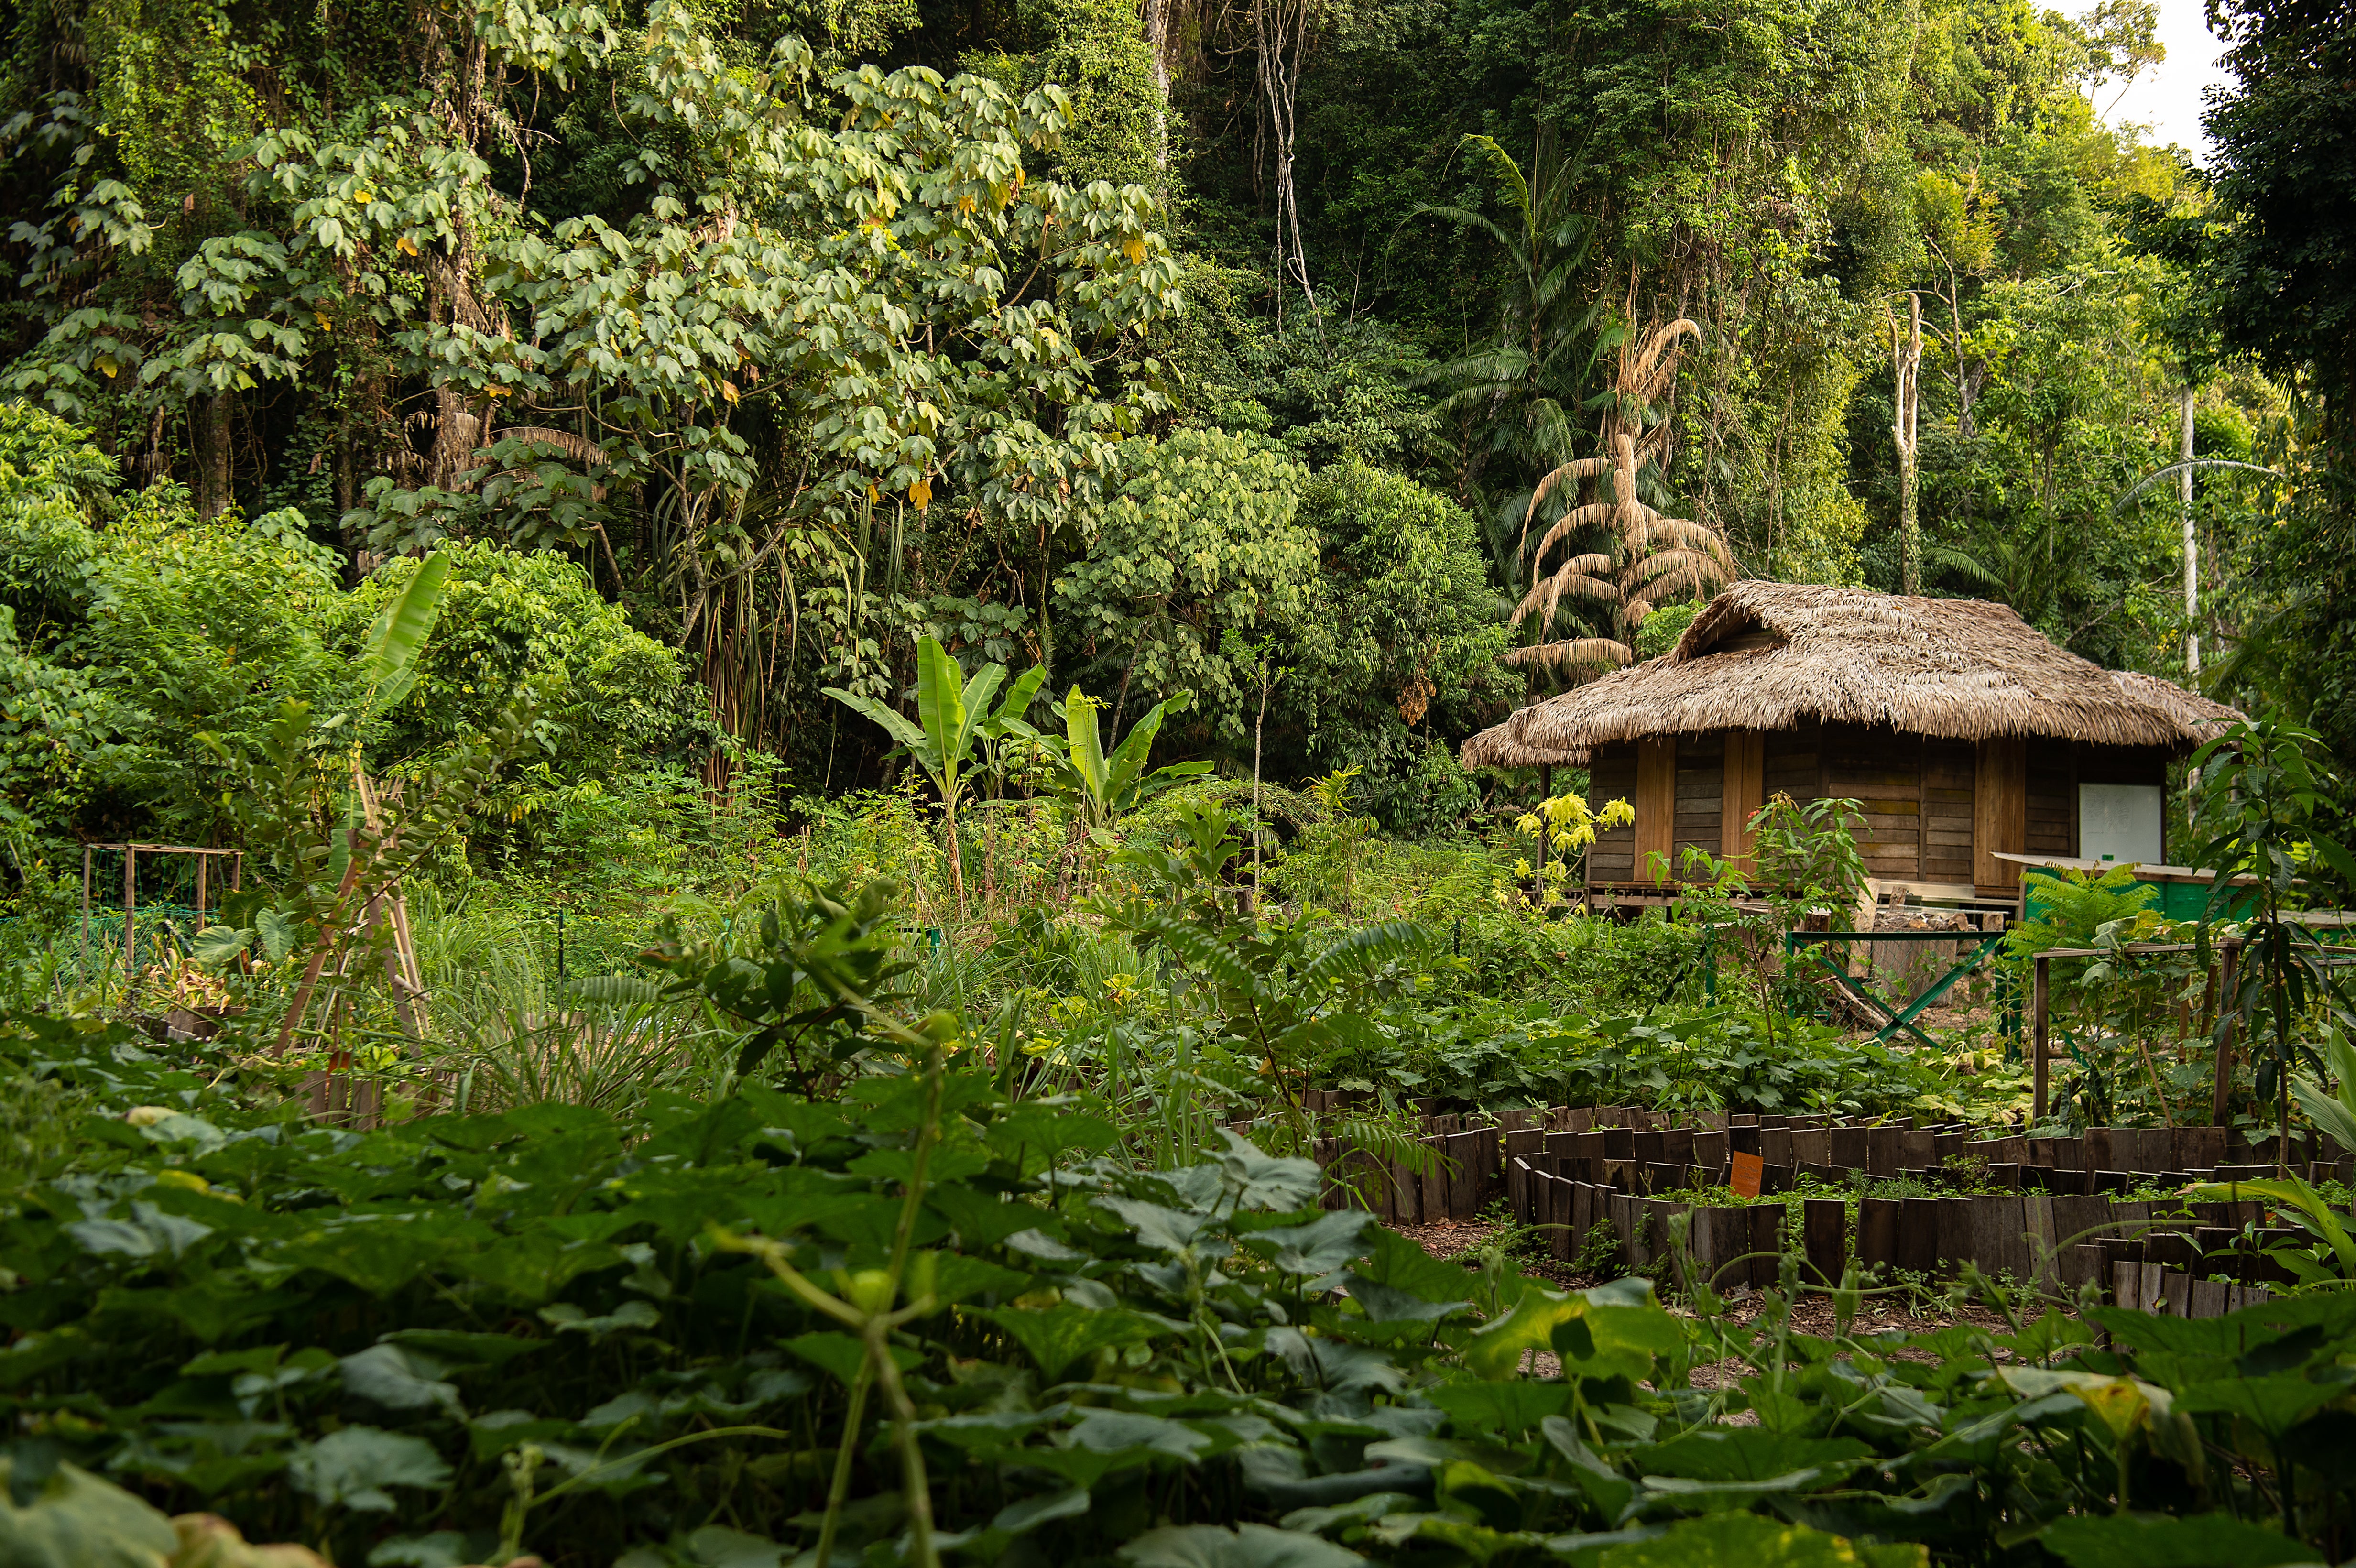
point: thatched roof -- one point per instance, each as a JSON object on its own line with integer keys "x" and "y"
{"x": 1496, "y": 748}
{"x": 1766, "y": 656}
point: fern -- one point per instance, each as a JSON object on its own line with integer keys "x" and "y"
{"x": 1196, "y": 948}
{"x": 1366, "y": 949}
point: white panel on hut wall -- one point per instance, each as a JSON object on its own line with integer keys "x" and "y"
{"x": 2121, "y": 822}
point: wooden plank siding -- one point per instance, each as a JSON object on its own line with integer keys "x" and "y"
{"x": 2000, "y": 813}
{"x": 2051, "y": 823}
{"x": 1934, "y": 811}
{"x": 1612, "y": 775}
{"x": 1700, "y": 791}
{"x": 1882, "y": 771}
{"x": 1791, "y": 762}
{"x": 1947, "y": 811}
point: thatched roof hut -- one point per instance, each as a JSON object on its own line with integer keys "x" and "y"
{"x": 1963, "y": 733}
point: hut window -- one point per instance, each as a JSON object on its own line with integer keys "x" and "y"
{"x": 2121, "y": 822}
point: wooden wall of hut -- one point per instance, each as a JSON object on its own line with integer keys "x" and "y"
{"x": 1935, "y": 812}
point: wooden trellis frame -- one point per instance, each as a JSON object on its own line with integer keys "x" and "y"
{"x": 131, "y": 853}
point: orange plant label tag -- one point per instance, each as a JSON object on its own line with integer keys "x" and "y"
{"x": 1745, "y": 1174}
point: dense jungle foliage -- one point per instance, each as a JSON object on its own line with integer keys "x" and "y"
{"x": 1211, "y": 348}
{"x": 820, "y": 651}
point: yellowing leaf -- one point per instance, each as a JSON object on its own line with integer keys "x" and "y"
{"x": 1135, "y": 251}
{"x": 873, "y": 494}
{"x": 728, "y": 390}
{"x": 921, "y": 493}
{"x": 108, "y": 367}
{"x": 408, "y": 246}
{"x": 364, "y": 196}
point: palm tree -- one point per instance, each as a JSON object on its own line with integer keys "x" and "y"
{"x": 1522, "y": 396}
{"x": 1644, "y": 558}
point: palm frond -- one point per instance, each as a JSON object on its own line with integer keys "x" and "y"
{"x": 1575, "y": 653}
{"x": 1563, "y": 472}
{"x": 1697, "y": 536}
{"x": 1192, "y": 946}
{"x": 1590, "y": 515}
{"x": 1366, "y": 949}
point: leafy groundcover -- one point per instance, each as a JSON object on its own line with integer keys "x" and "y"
{"x": 641, "y": 1341}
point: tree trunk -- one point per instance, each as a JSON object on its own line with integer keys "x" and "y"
{"x": 1906, "y": 354}
{"x": 1260, "y": 728}
{"x": 2191, "y": 548}
{"x": 1157, "y": 43}
{"x": 212, "y": 429}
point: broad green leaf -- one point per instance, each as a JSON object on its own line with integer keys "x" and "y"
{"x": 2121, "y": 1404}
{"x": 978, "y": 694}
{"x": 941, "y": 711}
{"x": 352, "y": 1468}
{"x": 1019, "y": 698}
{"x": 1325, "y": 1244}
{"x": 1017, "y": 1519}
{"x": 1400, "y": 1265}
{"x": 1171, "y": 1230}
{"x": 217, "y": 946}
{"x": 1336, "y": 1365}
{"x": 1749, "y": 1540}
{"x": 75, "y": 1520}
{"x": 2293, "y": 1194}
{"x": 1127, "y": 1431}
{"x": 893, "y": 721}
{"x": 2169, "y": 1541}
{"x": 1499, "y": 1410}
{"x": 388, "y": 654}
{"x": 1248, "y": 1546}
{"x": 629, "y": 1317}
{"x": 840, "y": 1355}
{"x": 399, "y": 1379}
{"x": 456, "y": 1346}
{"x": 530, "y": 1268}
{"x": 1357, "y": 1510}
{"x": 1087, "y": 746}
{"x": 1054, "y": 1337}
{"x": 717, "y": 1546}
{"x": 1386, "y": 1304}
{"x": 1034, "y": 1135}
{"x": 1607, "y": 1341}
{"x": 2272, "y": 1404}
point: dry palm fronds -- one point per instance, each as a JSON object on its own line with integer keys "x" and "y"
{"x": 1653, "y": 559}
{"x": 1495, "y": 748}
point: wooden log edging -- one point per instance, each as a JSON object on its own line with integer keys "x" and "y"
{"x": 2056, "y": 1221}
{"x": 2134, "y": 1257}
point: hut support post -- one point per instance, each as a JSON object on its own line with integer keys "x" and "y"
{"x": 2039, "y": 995}
{"x": 130, "y": 911}
{"x": 1545, "y": 793}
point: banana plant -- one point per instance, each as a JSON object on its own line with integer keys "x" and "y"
{"x": 952, "y": 715}
{"x": 385, "y": 670}
{"x": 1099, "y": 787}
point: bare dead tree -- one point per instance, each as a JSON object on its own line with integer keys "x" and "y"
{"x": 1906, "y": 364}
